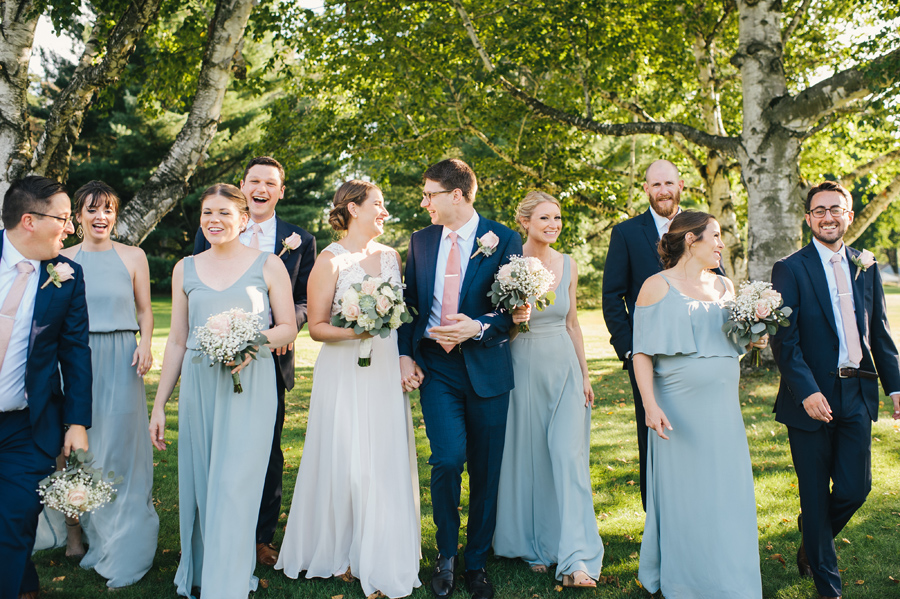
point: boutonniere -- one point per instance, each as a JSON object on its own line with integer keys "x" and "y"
{"x": 863, "y": 261}
{"x": 290, "y": 243}
{"x": 487, "y": 244}
{"x": 59, "y": 274}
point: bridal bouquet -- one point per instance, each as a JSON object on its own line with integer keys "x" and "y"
{"x": 228, "y": 337}
{"x": 519, "y": 281}
{"x": 373, "y": 306}
{"x": 79, "y": 488}
{"x": 755, "y": 311}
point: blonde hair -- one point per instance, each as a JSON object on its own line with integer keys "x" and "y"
{"x": 531, "y": 201}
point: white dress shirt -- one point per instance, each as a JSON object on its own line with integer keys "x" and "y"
{"x": 466, "y": 242}
{"x": 662, "y": 223}
{"x": 12, "y": 373}
{"x": 825, "y": 254}
{"x": 266, "y": 236}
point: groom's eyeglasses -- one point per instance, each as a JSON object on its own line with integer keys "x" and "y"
{"x": 836, "y": 211}
{"x": 428, "y": 195}
{"x": 62, "y": 219}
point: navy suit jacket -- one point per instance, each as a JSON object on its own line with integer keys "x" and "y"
{"x": 299, "y": 264}
{"x": 807, "y": 351}
{"x": 632, "y": 259}
{"x": 58, "y": 342}
{"x": 488, "y": 360}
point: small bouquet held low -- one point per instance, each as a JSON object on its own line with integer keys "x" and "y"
{"x": 80, "y": 487}
{"x": 519, "y": 281}
{"x": 375, "y": 307}
{"x": 755, "y": 311}
{"x": 230, "y": 337}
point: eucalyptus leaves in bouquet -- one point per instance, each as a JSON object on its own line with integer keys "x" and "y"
{"x": 229, "y": 338}
{"x": 80, "y": 487}
{"x": 519, "y": 281}
{"x": 756, "y": 311}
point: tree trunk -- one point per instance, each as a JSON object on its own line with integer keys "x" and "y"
{"x": 870, "y": 212}
{"x": 63, "y": 126}
{"x": 168, "y": 184}
{"x": 16, "y": 39}
{"x": 769, "y": 154}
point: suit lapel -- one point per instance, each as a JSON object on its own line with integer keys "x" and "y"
{"x": 474, "y": 263}
{"x": 857, "y": 284}
{"x": 281, "y": 233}
{"x": 41, "y": 299}
{"x": 432, "y": 243}
{"x": 813, "y": 263}
{"x": 651, "y": 233}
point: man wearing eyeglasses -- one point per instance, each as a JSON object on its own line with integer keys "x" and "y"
{"x": 45, "y": 366}
{"x": 831, "y": 356}
{"x": 457, "y": 348}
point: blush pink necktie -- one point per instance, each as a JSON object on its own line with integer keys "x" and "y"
{"x": 848, "y": 318}
{"x": 254, "y": 239}
{"x": 450, "y": 299}
{"x": 11, "y": 305}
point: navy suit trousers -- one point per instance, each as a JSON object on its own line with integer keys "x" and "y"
{"x": 834, "y": 472}
{"x": 22, "y": 466}
{"x": 462, "y": 428}
{"x": 270, "y": 504}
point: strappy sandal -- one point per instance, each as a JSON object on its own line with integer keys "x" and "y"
{"x": 578, "y": 580}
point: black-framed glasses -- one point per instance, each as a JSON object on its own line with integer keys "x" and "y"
{"x": 428, "y": 195}
{"x": 62, "y": 219}
{"x": 836, "y": 211}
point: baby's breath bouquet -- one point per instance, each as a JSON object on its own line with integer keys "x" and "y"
{"x": 80, "y": 487}
{"x": 755, "y": 311}
{"x": 519, "y": 281}
{"x": 229, "y": 337}
{"x": 375, "y": 307}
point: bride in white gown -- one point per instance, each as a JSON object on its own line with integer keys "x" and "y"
{"x": 356, "y": 501}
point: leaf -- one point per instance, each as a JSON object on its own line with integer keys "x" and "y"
{"x": 779, "y": 557}
{"x": 758, "y": 327}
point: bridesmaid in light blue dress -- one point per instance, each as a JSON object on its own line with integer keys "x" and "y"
{"x": 700, "y": 537}
{"x": 122, "y": 534}
{"x": 224, "y": 437}
{"x": 547, "y": 514}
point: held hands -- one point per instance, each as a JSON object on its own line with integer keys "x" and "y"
{"x": 521, "y": 314}
{"x": 158, "y": 428}
{"x": 818, "y": 409}
{"x": 656, "y": 419}
{"x": 143, "y": 359}
{"x": 896, "y": 399}
{"x": 464, "y": 329}
{"x": 76, "y": 438}
{"x": 411, "y": 376}
{"x": 280, "y": 351}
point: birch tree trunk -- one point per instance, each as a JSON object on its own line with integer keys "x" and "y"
{"x": 16, "y": 39}
{"x": 168, "y": 184}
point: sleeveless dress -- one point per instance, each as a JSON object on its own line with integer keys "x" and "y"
{"x": 224, "y": 441}
{"x": 547, "y": 514}
{"x": 356, "y": 500}
{"x": 121, "y": 535}
{"x": 700, "y": 538}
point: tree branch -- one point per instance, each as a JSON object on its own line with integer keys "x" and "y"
{"x": 795, "y": 21}
{"x": 863, "y": 170}
{"x": 875, "y": 207}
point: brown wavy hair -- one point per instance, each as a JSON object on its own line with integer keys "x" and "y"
{"x": 229, "y": 192}
{"x": 353, "y": 191}
{"x": 672, "y": 245}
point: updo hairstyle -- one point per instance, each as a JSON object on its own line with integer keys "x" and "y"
{"x": 229, "y": 192}
{"x": 672, "y": 245}
{"x": 353, "y": 191}
{"x": 531, "y": 201}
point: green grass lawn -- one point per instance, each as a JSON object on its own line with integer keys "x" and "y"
{"x": 867, "y": 548}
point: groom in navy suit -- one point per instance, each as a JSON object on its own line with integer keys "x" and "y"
{"x": 457, "y": 348}
{"x": 44, "y": 332}
{"x": 263, "y": 186}
{"x": 830, "y": 357}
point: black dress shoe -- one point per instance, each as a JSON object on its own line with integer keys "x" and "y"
{"x": 478, "y": 585}
{"x": 443, "y": 580}
{"x": 803, "y": 563}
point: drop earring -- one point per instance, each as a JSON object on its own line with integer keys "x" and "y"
{"x": 79, "y": 232}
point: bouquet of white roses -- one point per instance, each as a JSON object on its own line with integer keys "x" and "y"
{"x": 79, "y": 488}
{"x": 755, "y": 311}
{"x": 375, "y": 307}
{"x": 230, "y": 336}
{"x": 519, "y": 281}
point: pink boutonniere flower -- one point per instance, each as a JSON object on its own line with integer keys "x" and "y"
{"x": 487, "y": 244}
{"x": 59, "y": 274}
{"x": 291, "y": 243}
{"x": 863, "y": 261}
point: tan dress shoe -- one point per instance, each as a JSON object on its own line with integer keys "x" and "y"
{"x": 266, "y": 554}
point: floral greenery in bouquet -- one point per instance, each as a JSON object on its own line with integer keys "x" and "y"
{"x": 375, "y": 307}
{"x": 519, "y": 281}
{"x": 230, "y": 337}
{"x": 80, "y": 487}
{"x": 755, "y": 311}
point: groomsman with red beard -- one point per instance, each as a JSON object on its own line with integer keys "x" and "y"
{"x": 633, "y": 258}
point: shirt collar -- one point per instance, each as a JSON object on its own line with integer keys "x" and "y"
{"x": 825, "y": 253}
{"x": 12, "y": 256}
{"x": 267, "y": 226}
{"x": 661, "y": 220}
{"x": 465, "y": 231}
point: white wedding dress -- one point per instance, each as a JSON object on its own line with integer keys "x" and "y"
{"x": 356, "y": 501}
